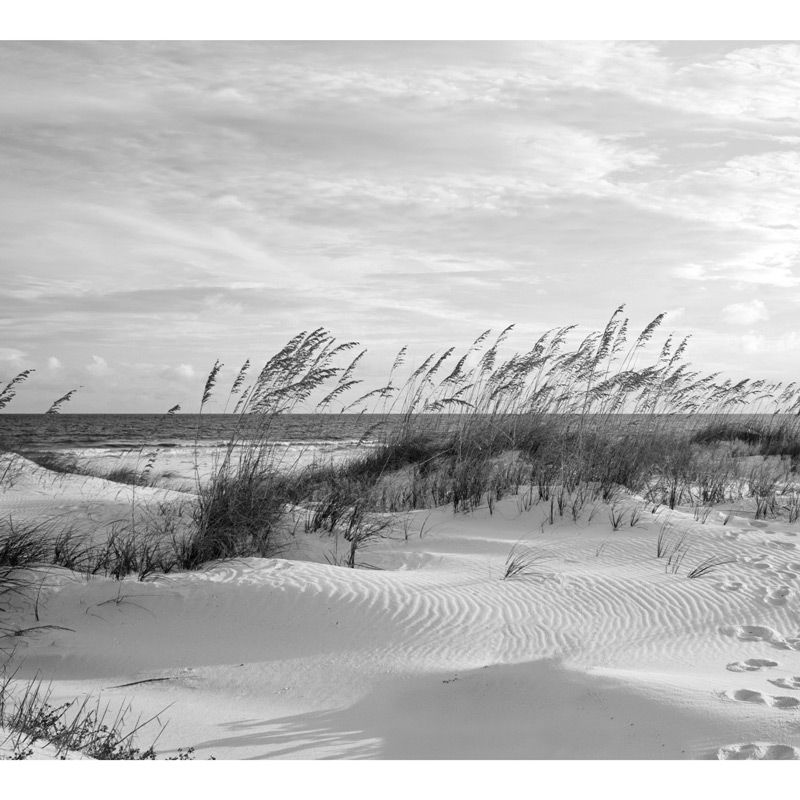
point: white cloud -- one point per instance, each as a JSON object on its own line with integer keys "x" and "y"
{"x": 746, "y": 313}
{"x": 755, "y": 191}
{"x": 181, "y": 372}
{"x": 692, "y": 272}
{"x": 674, "y": 314}
{"x": 528, "y": 162}
{"x": 231, "y": 201}
{"x": 597, "y": 171}
{"x": 53, "y": 363}
{"x": 757, "y": 82}
{"x": 766, "y": 264}
{"x": 98, "y": 366}
{"x": 11, "y": 354}
{"x": 758, "y": 343}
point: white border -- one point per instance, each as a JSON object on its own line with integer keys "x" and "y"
{"x": 412, "y": 19}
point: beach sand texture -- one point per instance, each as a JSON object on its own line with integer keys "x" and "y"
{"x": 597, "y": 652}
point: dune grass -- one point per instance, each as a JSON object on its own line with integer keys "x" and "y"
{"x": 79, "y": 728}
{"x": 567, "y": 426}
{"x": 568, "y": 423}
{"x": 464, "y": 429}
{"x": 68, "y": 464}
{"x": 522, "y": 562}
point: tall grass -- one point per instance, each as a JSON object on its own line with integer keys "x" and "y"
{"x": 238, "y": 508}
{"x": 570, "y": 422}
{"x": 608, "y": 413}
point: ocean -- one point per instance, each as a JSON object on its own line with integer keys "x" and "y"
{"x": 181, "y": 442}
{"x": 185, "y": 446}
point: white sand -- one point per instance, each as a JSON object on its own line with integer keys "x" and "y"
{"x": 601, "y": 654}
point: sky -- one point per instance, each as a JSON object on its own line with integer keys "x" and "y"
{"x": 164, "y": 205}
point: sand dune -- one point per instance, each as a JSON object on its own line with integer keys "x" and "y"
{"x": 599, "y": 653}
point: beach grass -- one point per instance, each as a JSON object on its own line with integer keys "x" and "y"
{"x": 569, "y": 423}
{"x": 79, "y": 728}
{"x": 608, "y": 427}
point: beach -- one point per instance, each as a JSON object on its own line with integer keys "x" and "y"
{"x": 595, "y": 649}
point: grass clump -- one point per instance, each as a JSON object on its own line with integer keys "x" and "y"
{"x": 29, "y": 717}
{"x": 576, "y": 426}
{"x": 568, "y": 425}
{"x": 239, "y": 506}
{"x": 68, "y": 464}
{"x": 522, "y": 562}
{"x": 589, "y": 417}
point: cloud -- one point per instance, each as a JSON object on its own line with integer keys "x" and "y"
{"x": 13, "y": 357}
{"x": 691, "y": 272}
{"x": 756, "y": 343}
{"x": 212, "y": 198}
{"x": 53, "y": 363}
{"x": 98, "y": 366}
{"x": 674, "y": 314}
{"x": 758, "y": 82}
{"x": 180, "y": 373}
{"x": 765, "y": 265}
{"x": 757, "y": 191}
{"x": 746, "y": 313}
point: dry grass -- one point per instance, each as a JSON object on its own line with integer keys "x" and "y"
{"x": 709, "y": 565}
{"x": 522, "y": 562}
{"x": 567, "y": 425}
{"x": 80, "y": 727}
{"x": 238, "y": 508}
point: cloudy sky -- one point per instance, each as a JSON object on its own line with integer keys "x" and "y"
{"x": 164, "y": 205}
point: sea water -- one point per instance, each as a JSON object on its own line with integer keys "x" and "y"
{"x": 184, "y": 448}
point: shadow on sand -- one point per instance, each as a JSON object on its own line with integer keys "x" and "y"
{"x": 537, "y": 710}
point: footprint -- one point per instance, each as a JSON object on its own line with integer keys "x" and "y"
{"x": 787, "y": 576}
{"x": 778, "y": 597}
{"x": 759, "y": 698}
{"x": 794, "y": 565}
{"x": 730, "y": 585}
{"x": 748, "y": 696}
{"x": 758, "y": 751}
{"x": 753, "y": 633}
{"x": 758, "y": 523}
{"x": 760, "y": 633}
{"x": 751, "y": 665}
{"x": 787, "y": 683}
